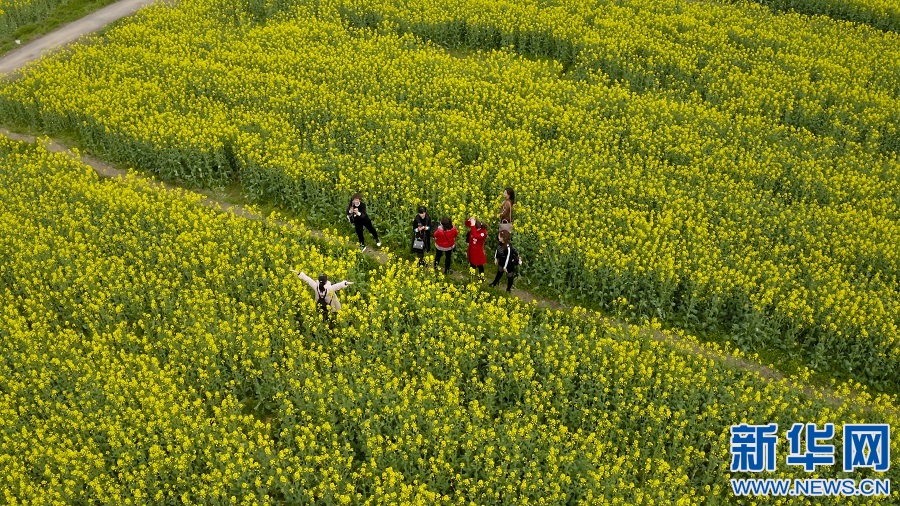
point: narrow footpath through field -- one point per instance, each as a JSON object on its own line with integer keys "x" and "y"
{"x": 212, "y": 200}
{"x": 97, "y": 20}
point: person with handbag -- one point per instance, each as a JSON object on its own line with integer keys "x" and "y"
{"x": 444, "y": 242}
{"x": 475, "y": 238}
{"x": 323, "y": 291}
{"x": 509, "y": 198}
{"x": 507, "y": 260}
{"x": 357, "y": 215}
{"x": 421, "y": 234}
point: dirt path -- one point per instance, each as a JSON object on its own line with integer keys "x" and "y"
{"x": 17, "y": 58}
{"x": 105, "y": 170}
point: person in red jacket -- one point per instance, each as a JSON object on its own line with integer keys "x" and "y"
{"x": 475, "y": 238}
{"x": 444, "y": 242}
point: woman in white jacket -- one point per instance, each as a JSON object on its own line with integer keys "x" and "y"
{"x": 323, "y": 291}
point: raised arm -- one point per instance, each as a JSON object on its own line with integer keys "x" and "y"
{"x": 337, "y": 286}
{"x": 309, "y": 281}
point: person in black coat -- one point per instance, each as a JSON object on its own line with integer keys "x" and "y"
{"x": 356, "y": 213}
{"x": 507, "y": 260}
{"x": 421, "y": 232}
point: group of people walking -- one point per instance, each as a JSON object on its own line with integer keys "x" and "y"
{"x": 506, "y": 258}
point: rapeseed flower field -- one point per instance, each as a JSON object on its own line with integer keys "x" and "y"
{"x": 720, "y": 167}
{"x": 14, "y": 13}
{"x": 157, "y": 351}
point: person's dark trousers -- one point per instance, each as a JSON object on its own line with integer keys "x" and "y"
{"x": 437, "y": 259}
{"x": 479, "y": 268}
{"x": 421, "y": 254}
{"x": 359, "y": 223}
{"x": 327, "y": 316}
{"x": 509, "y": 279}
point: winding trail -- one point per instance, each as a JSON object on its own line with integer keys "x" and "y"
{"x": 18, "y": 58}
{"x": 215, "y": 201}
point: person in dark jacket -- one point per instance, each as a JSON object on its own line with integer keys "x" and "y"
{"x": 507, "y": 260}
{"x": 356, "y": 213}
{"x": 475, "y": 238}
{"x": 444, "y": 242}
{"x": 421, "y": 232}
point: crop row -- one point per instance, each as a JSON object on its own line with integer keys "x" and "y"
{"x": 713, "y": 215}
{"x": 154, "y": 350}
{"x": 15, "y": 13}
{"x": 828, "y": 78}
{"x": 881, "y": 14}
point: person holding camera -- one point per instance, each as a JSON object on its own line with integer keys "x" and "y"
{"x": 444, "y": 242}
{"x": 421, "y": 234}
{"x": 323, "y": 291}
{"x": 356, "y": 214}
{"x": 507, "y": 260}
